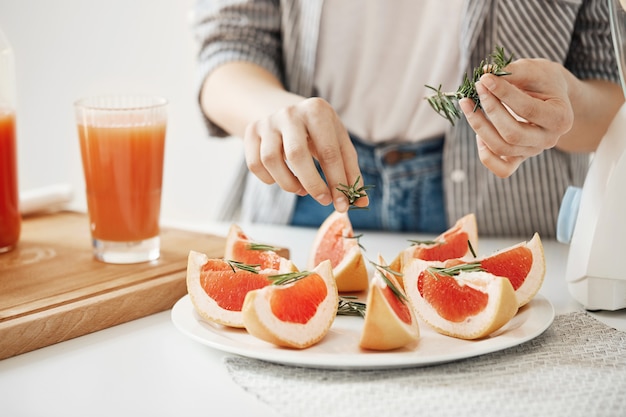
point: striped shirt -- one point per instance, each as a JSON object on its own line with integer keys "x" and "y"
{"x": 281, "y": 36}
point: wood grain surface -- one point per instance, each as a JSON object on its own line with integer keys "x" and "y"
{"x": 52, "y": 289}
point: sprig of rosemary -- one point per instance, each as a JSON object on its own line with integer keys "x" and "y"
{"x": 456, "y": 269}
{"x": 288, "y": 278}
{"x": 395, "y": 290}
{"x": 358, "y": 239}
{"x": 426, "y": 242}
{"x": 254, "y": 268}
{"x": 354, "y": 192}
{"x": 348, "y": 307}
{"x": 262, "y": 247}
{"x": 471, "y": 248}
{"x": 444, "y": 103}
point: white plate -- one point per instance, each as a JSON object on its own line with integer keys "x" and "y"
{"x": 340, "y": 348}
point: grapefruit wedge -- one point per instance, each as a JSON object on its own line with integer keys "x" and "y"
{"x": 335, "y": 241}
{"x": 296, "y": 314}
{"x": 390, "y": 321}
{"x": 217, "y": 288}
{"x": 523, "y": 264}
{"x": 459, "y": 241}
{"x": 241, "y": 248}
{"x": 459, "y": 299}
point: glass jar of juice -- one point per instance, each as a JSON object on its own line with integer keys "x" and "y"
{"x": 10, "y": 219}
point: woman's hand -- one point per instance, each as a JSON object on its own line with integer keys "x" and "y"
{"x": 281, "y": 148}
{"x": 524, "y": 113}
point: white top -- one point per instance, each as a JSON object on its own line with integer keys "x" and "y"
{"x": 375, "y": 57}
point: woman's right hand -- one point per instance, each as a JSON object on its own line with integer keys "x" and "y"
{"x": 281, "y": 148}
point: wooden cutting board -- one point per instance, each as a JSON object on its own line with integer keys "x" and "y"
{"x": 52, "y": 289}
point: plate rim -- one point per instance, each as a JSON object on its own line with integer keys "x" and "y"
{"x": 187, "y": 321}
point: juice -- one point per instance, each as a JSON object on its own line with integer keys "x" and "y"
{"x": 123, "y": 169}
{"x": 10, "y": 220}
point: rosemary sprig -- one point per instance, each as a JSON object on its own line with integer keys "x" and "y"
{"x": 288, "y": 278}
{"x": 254, "y": 268}
{"x": 354, "y": 192}
{"x": 262, "y": 247}
{"x": 426, "y": 242}
{"x": 349, "y": 307}
{"x": 358, "y": 239}
{"x": 395, "y": 290}
{"x": 456, "y": 269}
{"x": 471, "y": 248}
{"x": 444, "y": 103}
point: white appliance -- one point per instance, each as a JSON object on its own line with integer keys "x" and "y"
{"x": 593, "y": 219}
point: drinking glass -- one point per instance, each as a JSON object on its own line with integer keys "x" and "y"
{"x": 122, "y": 141}
{"x": 10, "y": 218}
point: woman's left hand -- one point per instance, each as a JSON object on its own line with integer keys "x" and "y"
{"x": 524, "y": 113}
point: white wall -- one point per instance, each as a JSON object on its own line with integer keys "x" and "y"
{"x": 66, "y": 49}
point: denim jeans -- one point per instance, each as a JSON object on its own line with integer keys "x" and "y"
{"x": 407, "y": 193}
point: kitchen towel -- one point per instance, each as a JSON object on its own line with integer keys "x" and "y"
{"x": 575, "y": 368}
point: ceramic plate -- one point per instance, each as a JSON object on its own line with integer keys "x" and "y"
{"x": 340, "y": 348}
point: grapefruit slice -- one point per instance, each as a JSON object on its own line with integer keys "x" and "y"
{"x": 523, "y": 264}
{"x": 217, "y": 289}
{"x": 335, "y": 241}
{"x": 459, "y": 241}
{"x": 390, "y": 321}
{"x": 241, "y": 248}
{"x": 297, "y": 314}
{"x": 461, "y": 301}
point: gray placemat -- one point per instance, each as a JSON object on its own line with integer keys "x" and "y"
{"x": 576, "y": 368}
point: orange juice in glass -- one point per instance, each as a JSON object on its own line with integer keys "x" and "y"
{"x": 10, "y": 218}
{"x": 122, "y": 141}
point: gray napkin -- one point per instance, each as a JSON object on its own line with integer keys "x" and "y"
{"x": 576, "y": 368}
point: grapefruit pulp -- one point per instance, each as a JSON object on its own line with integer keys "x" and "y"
{"x": 241, "y": 248}
{"x": 390, "y": 322}
{"x": 297, "y": 314}
{"x": 459, "y": 299}
{"x": 458, "y": 242}
{"x": 217, "y": 289}
{"x": 335, "y": 241}
{"x": 523, "y": 264}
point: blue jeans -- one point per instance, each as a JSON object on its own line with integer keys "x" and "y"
{"x": 407, "y": 193}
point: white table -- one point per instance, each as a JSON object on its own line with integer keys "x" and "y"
{"x": 148, "y": 368}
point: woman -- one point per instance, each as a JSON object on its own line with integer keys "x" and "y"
{"x": 327, "y": 94}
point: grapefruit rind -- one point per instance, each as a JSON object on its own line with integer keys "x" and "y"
{"x": 382, "y": 328}
{"x": 535, "y": 277}
{"x": 273, "y": 259}
{"x": 466, "y": 224}
{"x": 500, "y": 309}
{"x": 260, "y": 321}
{"x": 204, "y": 305}
{"x": 351, "y": 272}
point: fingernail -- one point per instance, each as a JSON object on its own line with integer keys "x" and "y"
{"x": 341, "y": 204}
{"x": 324, "y": 199}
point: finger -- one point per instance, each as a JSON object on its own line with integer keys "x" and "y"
{"x": 296, "y": 143}
{"x": 265, "y": 158}
{"x": 502, "y": 166}
{"x": 351, "y": 165}
{"x": 549, "y": 110}
{"x": 502, "y": 131}
{"x": 274, "y": 159}
{"x": 486, "y": 129}
{"x": 252, "y": 153}
{"x": 516, "y": 132}
{"x": 331, "y": 144}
